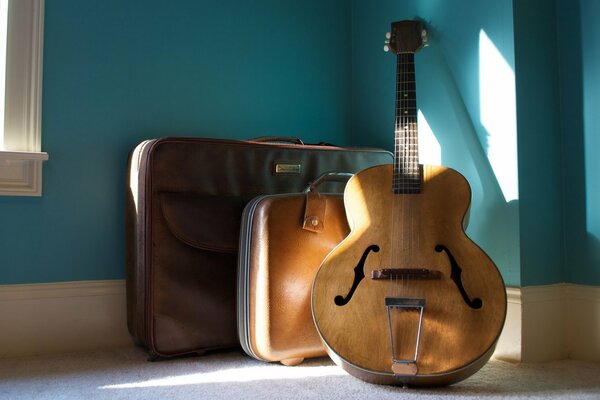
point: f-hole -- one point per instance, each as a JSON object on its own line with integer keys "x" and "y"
{"x": 359, "y": 275}
{"x": 456, "y": 276}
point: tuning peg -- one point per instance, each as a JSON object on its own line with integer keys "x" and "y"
{"x": 388, "y": 36}
{"x": 425, "y": 38}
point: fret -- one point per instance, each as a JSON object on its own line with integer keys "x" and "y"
{"x": 407, "y": 142}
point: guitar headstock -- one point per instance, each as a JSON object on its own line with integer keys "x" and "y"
{"x": 406, "y": 37}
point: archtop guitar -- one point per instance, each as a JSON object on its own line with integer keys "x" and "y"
{"x": 407, "y": 298}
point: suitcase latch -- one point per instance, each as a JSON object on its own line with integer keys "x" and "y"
{"x": 314, "y": 212}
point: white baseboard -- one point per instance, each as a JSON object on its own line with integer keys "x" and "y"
{"x": 510, "y": 344}
{"x": 62, "y": 317}
{"x": 583, "y": 322}
{"x": 552, "y": 322}
{"x": 543, "y": 323}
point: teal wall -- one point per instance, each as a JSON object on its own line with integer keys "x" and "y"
{"x": 540, "y": 143}
{"x": 449, "y": 96}
{"x": 579, "y": 38}
{"x": 117, "y": 72}
{"x": 558, "y": 95}
{"x": 587, "y": 269}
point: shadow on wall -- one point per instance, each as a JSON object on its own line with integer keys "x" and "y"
{"x": 578, "y": 70}
{"x": 495, "y": 197}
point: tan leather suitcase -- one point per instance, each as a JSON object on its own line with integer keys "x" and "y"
{"x": 283, "y": 240}
{"x": 185, "y": 198}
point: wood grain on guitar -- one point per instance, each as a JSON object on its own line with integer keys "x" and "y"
{"x": 407, "y": 298}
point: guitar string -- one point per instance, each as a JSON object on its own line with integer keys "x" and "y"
{"x": 394, "y": 227}
{"x": 394, "y": 263}
{"x": 404, "y": 248}
{"x": 409, "y": 183}
{"x": 409, "y": 78}
{"x": 410, "y": 190}
{"x": 394, "y": 231}
{"x": 401, "y": 198}
{"x": 406, "y": 183}
{"x": 415, "y": 178}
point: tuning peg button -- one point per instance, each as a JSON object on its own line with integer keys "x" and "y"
{"x": 425, "y": 37}
{"x": 386, "y": 48}
{"x": 388, "y": 35}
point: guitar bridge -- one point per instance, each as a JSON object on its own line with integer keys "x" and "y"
{"x": 405, "y": 319}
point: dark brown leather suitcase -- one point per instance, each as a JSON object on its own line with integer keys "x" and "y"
{"x": 184, "y": 204}
{"x": 283, "y": 239}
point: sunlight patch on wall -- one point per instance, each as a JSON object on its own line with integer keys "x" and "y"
{"x": 499, "y": 115}
{"x": 3, "y": 33}
{"x": 592, "y": 165}
{"x": 262, "y": 373}
{"x": 430, "y": 151}
{"x": 591, "y": 119}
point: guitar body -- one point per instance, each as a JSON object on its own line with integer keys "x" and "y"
{"x": 436, "y": 317}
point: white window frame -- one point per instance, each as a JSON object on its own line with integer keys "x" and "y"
{"x": 20, "y": 151}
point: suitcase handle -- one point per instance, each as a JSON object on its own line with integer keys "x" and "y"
{"x": 285, "y": 139}
{"x": 328, "y": 177}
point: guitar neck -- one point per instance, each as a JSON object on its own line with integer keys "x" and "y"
{"x": 407, "y": 173}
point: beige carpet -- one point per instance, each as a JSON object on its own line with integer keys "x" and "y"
{"x": 125, "y": 374}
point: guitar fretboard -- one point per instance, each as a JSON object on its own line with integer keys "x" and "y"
{"x": 407, "y": 172}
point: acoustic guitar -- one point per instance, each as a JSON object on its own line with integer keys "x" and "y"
{"x": 407, "y": 298}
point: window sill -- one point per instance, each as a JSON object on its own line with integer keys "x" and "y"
{"x": 21, "y": 173}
